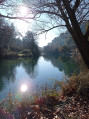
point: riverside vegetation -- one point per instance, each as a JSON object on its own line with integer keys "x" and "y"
{"x": 13, "y": 47}
{"x": 67, "y": 99}
{"x": 71, "y": 101}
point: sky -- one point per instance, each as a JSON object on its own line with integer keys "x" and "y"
{"x": 42, "y": 39}
{"x": 23, "y": 26}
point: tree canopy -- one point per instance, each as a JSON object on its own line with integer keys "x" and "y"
{"x": 11, "y": 45}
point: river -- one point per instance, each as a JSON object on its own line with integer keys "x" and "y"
{"x": 33, "y": 73}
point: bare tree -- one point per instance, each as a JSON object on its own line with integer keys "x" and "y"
{"x": 71, "y": 14}
{"x": 68, "y": 13}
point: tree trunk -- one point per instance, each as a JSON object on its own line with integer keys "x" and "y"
{"x": 84, "y": 51}
{"x": 81, "y": 42}
{"x": 83, "y": 46}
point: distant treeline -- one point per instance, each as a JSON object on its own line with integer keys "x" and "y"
{"x": 11, "y": 45}
{"x": 63, "y": 45}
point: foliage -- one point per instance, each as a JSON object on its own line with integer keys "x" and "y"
{"x": 59, "y": 13}
{"x": 7, "y": 33}
{"x": 29, "y": 42}
{"x": 75, "y": 54}
{"x": 76, "y": 84}
{"x": 10, "y": 46}
{"x": 51, "y": 105}
{"x": 25, "y": 53}
{"x": 10, "y": 55}
{"x": 83, "y": 87}
{"x": 62, "y": 45}
{"x": 66, "y": 13}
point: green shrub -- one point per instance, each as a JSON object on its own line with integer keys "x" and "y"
{"x": 25, "y": 53}
{"x": 21, "y": 55}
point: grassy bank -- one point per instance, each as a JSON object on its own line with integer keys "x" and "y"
{"x": 71, "y": 102}
{"x": 16, "y": 54}
{"x": 12, "y": 54}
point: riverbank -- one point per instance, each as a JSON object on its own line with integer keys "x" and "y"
{"x": 17, "y": 54}
{"x": 48, "y": 108}
{"x": 72, "y": 102}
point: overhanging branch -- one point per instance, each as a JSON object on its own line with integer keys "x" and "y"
{"x": 49, "y": 12}
{"x": 11, "y": 17}
{"x": 46, "y": 30}
{"x": 76, "y": 5}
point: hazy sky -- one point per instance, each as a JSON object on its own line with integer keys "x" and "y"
{"x": 43, "y": 39}
{"x": 23, "y": 27}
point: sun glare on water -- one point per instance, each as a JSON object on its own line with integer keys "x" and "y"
{"x": 24, "y": 88}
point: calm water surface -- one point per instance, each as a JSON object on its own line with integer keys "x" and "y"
{"x": 33, "y": 73}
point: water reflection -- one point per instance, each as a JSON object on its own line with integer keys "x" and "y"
{"x": 8, "y": 70}
{"x": 35, "y": 73}
{"x": 30, "y": 67}
{"x": 66, "y": 64}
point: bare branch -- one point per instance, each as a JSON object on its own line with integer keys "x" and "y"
{"x": 11, "y": 17}
{"x": 46, "y": 30}
{"x": 49, "y": 12}
{"x": 76, "y": 5}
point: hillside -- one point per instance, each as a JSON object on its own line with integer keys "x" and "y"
{"x": 61, "y": 44}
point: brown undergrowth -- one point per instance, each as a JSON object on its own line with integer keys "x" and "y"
{"x": 76, "y": 84}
